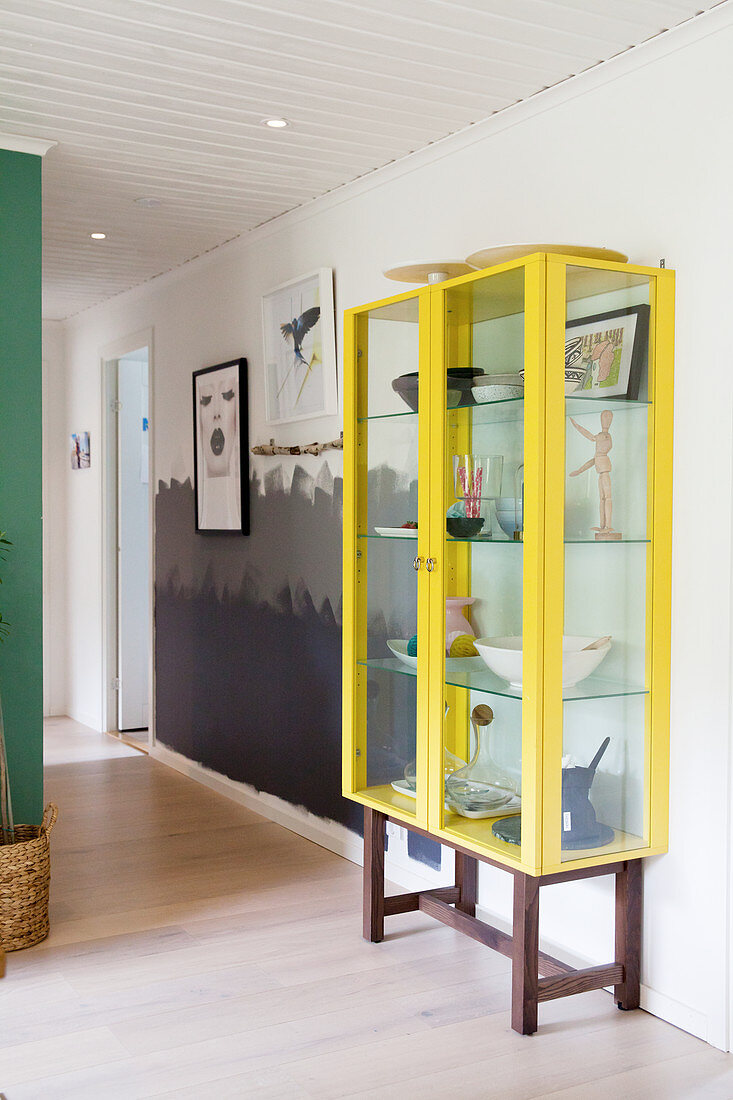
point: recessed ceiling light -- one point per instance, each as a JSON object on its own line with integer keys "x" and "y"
{"x": 98, "y": 236}
{"x": 275, "y": 123}
{"x": 148, "y": 201}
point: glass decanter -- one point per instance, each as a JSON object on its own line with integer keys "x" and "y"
{"x": 482, "y": 788}
{"x": 451, "y": 763}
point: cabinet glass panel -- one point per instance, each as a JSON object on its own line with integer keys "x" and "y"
{"x": 483, "y": 555}
{"x": 606, "y": 555}
{"x": 389, "y": 409}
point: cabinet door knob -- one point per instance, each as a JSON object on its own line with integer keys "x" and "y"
{"x": 430, "y": 564}
{"x": 416, "y": 564}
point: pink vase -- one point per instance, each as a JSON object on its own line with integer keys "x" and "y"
{"x": 455, "y": 619}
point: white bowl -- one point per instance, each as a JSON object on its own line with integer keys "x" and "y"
{"x": 504, "y": 657}
{"x": 496, "y": 393}
{"x": 399, "y": 649}
{"x": 509, "y": 514}
{"x": 574, "y": 378}
{"x": 512, "y": 379}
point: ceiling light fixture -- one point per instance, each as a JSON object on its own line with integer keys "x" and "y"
{"x": 275, "y": 123}
{"x": 98, "y": 236}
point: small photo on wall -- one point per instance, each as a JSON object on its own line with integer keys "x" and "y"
{"x": 221, "y": 441}
{"x": 80, "y": 453}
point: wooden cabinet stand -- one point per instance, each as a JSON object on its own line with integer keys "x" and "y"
{"x": 536, "y": 976}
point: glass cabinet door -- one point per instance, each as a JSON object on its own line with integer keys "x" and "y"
{"x": 389, "y": 515}
{"x": 487, "y": 521}
{"x": 599, "y": 536}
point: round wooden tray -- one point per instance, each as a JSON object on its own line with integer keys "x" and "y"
{"x": 503, "y": 253}
{"x": 419, "y": 272}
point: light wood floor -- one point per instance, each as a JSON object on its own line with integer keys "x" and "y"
{"x": 197, "y": 950}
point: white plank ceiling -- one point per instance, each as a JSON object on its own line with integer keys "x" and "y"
{"x": 164, "y": 99}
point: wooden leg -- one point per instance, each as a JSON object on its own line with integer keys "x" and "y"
{"x": 628, "y": 933}
{"x": 467, "y": 883}
{"x": 374, "y": 835}
{"x": 525, "y": 955}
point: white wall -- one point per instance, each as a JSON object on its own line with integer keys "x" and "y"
{"x": 635, "y": 155}
{"x": 56, "y": 460}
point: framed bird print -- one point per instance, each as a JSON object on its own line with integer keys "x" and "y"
{"x": 300, "y": 349}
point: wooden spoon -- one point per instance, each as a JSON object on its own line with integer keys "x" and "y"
{"x": 597, "y": 644}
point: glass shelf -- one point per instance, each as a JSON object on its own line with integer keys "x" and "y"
{"x": 492, "y": 412}
{"x": 498, "y": 412}
{"x": 512, "y": 408}
{"x": 510, "y": 542}
{"x": 472, "y": 673}
{"x": 386, "y": 416}
{"x": 391, "y": 538}
{"x": 576, "y": 405}
{"x": 519, "y": 542}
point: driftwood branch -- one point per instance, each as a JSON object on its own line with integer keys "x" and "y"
{"x": 272, "y": 448}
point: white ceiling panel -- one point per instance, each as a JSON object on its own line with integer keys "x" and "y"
{"x": 164, "y": 99}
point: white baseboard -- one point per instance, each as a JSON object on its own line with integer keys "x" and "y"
{"x": 85, "y": 719}
{"x": 402, "y": 871}
{"x": 329, "y": 834}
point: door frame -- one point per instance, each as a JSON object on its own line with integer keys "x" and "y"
{"x": 110, "y": 354}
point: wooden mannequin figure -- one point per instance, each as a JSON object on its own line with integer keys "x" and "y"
{"x": 602, "y": 463}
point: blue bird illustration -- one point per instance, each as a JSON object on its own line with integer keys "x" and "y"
{"x": 295, "y": 331}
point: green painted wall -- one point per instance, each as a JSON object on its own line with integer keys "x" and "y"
{"x": 21, "y": 655}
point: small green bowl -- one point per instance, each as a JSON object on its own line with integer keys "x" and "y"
{"x": 463, "y": 527}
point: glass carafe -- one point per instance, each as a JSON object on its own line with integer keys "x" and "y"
{"x": 451, "y": 763}
{"x": 481, "y": 789}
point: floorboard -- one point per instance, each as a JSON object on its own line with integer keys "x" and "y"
{"x": 198, "y": 950}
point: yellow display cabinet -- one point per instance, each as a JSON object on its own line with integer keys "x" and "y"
{"x": 506, "y": 611}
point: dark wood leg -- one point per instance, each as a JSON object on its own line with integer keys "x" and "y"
{"x": 628, "y": 933}
{"x": 467, "y": 883}
{"x": 374, "y": 835}
{"x": 525, "y": 955}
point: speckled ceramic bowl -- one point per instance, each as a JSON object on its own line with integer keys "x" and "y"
{"x": 482, "y": 394}
{"x": 497, "y": 387}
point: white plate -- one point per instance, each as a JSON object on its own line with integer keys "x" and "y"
{"x": 397, "y": 532}
{"x": 400, "y": 785}
{"x": 399, "y": 648}
{"x": 513, "y": 806}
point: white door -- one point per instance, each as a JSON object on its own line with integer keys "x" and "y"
{"x": 133, "y": 562}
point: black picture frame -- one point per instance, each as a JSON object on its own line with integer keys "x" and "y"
{"x": 221, "y": 449}
{"x": 632, "y": 372}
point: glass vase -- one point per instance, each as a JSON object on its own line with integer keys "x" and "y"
{"x": 482, "y": 788}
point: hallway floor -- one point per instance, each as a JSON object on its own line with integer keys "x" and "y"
{"x": 198, "y": 950}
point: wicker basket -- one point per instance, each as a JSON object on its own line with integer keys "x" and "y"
{"x": 25, "y": 876}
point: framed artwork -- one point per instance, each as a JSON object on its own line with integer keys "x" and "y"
{"x": 611, "y": 350}
{"x": 81, "y": 458}
{"x": 220, "y": 448}
{"x": 300, "y": 349}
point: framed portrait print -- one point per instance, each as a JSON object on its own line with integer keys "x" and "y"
{"x": 300, "y": 349}
{"x": 220, "y": 448}
{"x": 609, "y": 351}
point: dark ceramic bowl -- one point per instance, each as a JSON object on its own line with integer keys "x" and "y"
{"x": 460, "y": 381}
{"x": 462, "y": 527}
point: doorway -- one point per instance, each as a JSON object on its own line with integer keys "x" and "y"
{"x": 128, "y": 519}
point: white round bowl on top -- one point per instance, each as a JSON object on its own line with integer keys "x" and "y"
{"x": 504, "y": 657}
